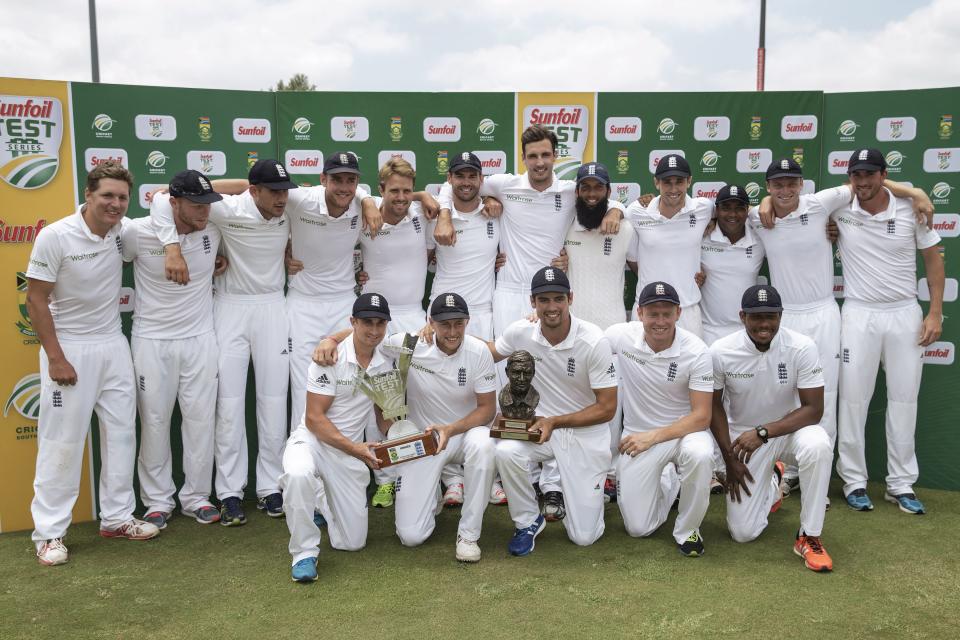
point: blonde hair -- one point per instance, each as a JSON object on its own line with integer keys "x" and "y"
{"x": 397, "y": 167}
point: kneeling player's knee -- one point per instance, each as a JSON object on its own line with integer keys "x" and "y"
{"x": 638, "y": 529}
{"x": 412, "y": 537}
{"x": 743, "y": 532}
{"x": 583, "y": 538}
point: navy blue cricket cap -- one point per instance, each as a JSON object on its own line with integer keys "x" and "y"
{"x": 732, "y": 192}
{"x": 867, "y": 160}
{"x": 549, "y": 279}
{"x": 761, "y": 298}
{"x": 465, "y": 160}
{"x": 672, "y": 164}
{"x": 658, "y": 291}
{"x": 341, "y": 162}
{"x": 593, "y": 170}
{"x": 270, "y": 174}
{"x": 784, "y": 168}
{"x": 449, "y": 306}
{"x": 193, "y": 186}
{"x": 371, "y": 305}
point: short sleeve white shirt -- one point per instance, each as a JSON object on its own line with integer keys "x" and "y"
{"x": 397, "y": 260}
{"x": 469, "y": 266}
{"x": 730, "y": 269}
{"x": 596, "y": 273}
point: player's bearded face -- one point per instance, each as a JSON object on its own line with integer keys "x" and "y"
{"x": 785, "y": 192}
{"x": 761, "y": 327}
{"x": 466, "y": 184}
{"x": 270, "y": 202}
{"x": 591, "y": 203}
{"x": 192, "y": 214}
{"x": 867, "y": 184}
{"x": 553, "y": 308}
{"x": 341, "y": 189}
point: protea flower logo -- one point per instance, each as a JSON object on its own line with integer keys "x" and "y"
{"x": 941, "y": 190}
{"x": 709, "y": 159}
{"x": 667, "y": 126}
{"x": 301, "y": 126}
{"x": 847, "y": 128}
{"x": 30, "y": 140}
{"x": 894, "y": 159}
{"x": 25, "y": 397}
{"x": 753, "y": 190}
{"x": 156, "y": 160}
{"x": 486, "y": 127}
{"x": 103, "y": 123}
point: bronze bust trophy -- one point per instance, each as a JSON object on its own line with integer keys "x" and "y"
{"x": 518, "y": 401}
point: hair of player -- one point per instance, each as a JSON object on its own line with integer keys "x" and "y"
{"x": 536, "y": 133}
{"x": 108, "y": 169}
{"x": 397, "y": 167}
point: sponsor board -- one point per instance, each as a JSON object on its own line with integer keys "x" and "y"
{"x": 947, "y": 224}
{"x": 941, "y": 160}
{"x": 654, "y": 157}
{"x": 31, "y": 130}
{"x": 20, "y": 233}
{"x": 155, "y": 127}
{"x": 301, "y": 128}
{"x": 939, "y": 353}
{"x": 798, "y": 127}
{"x": 97, "y": 155}
{"x": 211, "y": 163}
{"x": 622, "y": 129}
{"x": 300, "y": 161}
{"x": 102, "y": 126}
{"x": 949, "y": 290}
{"x": 706, "y": 189}
{"x": 388, "y": 154}
{"x": 624, "y": 192}
{"x": 837, "y": 162}
{"x": 145, "y": 189}
{"x": 667, "y": 127}
{"x": 711, "y": 128}
{"x": 569, "y": 122}
{"x": 898, "y": 129}
{"x": 753, "y": 160}
{"x": 709, "y": 161}
{"x": 838, "y": 287}
{"x": 492, "y": 161}
{"x": 349, "y": 129}
{"x": 441, "y": 129}
{"x": 251, "y": 130}
{"x": 24, "y": 398}
{"x": 486, "y": 130}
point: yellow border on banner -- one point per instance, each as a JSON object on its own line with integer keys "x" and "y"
{"x": 565, "y": 130}
{"x": 21, "y": 213}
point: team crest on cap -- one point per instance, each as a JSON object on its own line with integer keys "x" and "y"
{"x": 448, "y": 301}
{"x": 672, "y": 162}
{"x": 203, "y": 183}
{"x": 734, "y": 191}
{"x": 281, "y": 171}
{"x": 548, "y": 274}
{"x": 784, "y": 164}
{"x": 343, "y": 158}
{"x": 465, "y": 156}
{"x": 659, "y": 290}
{"x": 863, "y": 154}
{"x": 592, "y": 169}
{"x": 762, "y": 295}
{"x": 375, "y": 301}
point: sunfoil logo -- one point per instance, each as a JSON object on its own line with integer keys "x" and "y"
{"x": 25, "y": 397}
{"x": 31, "y": 129}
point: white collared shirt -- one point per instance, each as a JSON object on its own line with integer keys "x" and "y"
{"x": 730, "y": 268}
{"x": 164, "y": 310}
{"x": 442, "y": 388}
{"x": 761, "y": 386}
{"x": 567, "y": 373}
{"x": 351, "y": 409}
{"x": 879, "y": 252}
{"x": 799, "y": 254}
{"x": 668, "y": 249}
{"x": 468, "y": 267}
{"x": 596, "y": 272}
{"x": 324, "y": 243}
{"x": 397, "y": 260}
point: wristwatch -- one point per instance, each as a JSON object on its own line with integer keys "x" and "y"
{"x": 762, "y": 433}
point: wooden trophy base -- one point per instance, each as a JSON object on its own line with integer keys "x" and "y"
{"x": 405, "y": 449}
{"x": 514, "y": 429}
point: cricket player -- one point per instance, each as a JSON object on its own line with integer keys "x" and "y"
{"x": 175, "y": 351}
{"x": 577, "y": 382}
{"x": 73, "y": 284}
{"x": 767, "y": 404}
{"x": 881, "y": 321}
{"x": 669, "y": 232}
{"x": 666, "y": 382}
{"x": 329, "y": 446}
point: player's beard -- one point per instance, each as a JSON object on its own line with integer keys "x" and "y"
{"x": 590, "y": 217}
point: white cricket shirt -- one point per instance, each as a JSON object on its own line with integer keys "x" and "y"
{"x": 566, "y": 374}
{"x": 442, "y": 388}
{"x": 397, "y": 260}
{"x": 351, "y": 409}
{"x": 656, "y": 386}
{"x": 323, "y": 243}
{"x": 879, "y": 252}
{"x": 164, "y": 310}
{"x": 468, "y": 267}
{"x": 799, "y": 255}
{"x": 596, "y": 272}
{"x": 761, "y": 387}
{"x": 731, "y": 268}
{"x": 668, "y": 249}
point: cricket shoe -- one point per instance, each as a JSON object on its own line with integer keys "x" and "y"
{"x": 609, "y": 490}
{"x": 907, "y": 502}
{"x": 132, "y": 529}
{"x": 453, "y": 496}
{"x": 778, "y": 469}
{"x": 157, "y": 519}
{"x": 304, "y": 571}
{"x": 553, "y": 507}
{"x": 204, "y": 514}
{"x": 497, "y": 495}
{"x": 858, "y": 500}
{"x": 52, "y": 552}
{"x": 692, "y": 547}
{"x": 272, "y": 505}
{"x": 383, "y": 498}
{"x": 815, "y": 557}
{"x": 231, "y": 512}
{"x": 467, "y": 550}
{"x": 522, "y": 542}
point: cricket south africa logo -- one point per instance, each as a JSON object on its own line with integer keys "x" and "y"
{"x": 31, "y": 129}
{"x": 25, "y": 397}
{"x": 102, "y": 125}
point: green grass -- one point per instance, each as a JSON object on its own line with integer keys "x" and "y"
{"x": 896, "y": 576}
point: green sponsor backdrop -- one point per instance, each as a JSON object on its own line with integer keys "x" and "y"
{"x": 915, "y": 131}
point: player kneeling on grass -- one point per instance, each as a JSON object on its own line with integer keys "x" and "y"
{"x": 667, "y": 386}
{"x": 451, "y": 388}
{"x": 328, "y": 447}
{"x": 768, "y": 400}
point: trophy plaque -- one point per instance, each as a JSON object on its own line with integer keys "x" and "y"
{"x": 405, "y": 441}
{"x": 518, "y": 401}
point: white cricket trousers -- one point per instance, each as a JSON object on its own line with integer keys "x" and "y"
{"x": 822, "y": 325}
{"x": 169, "y": 371}
{"x": 691, "y": 319}
{"x": 105, "y": 386}
{"x": 307, "y": 462}
{"x": 808, "y": 448}
{"x": 582, "y": 456}
{"x": 713, "y": 332}
{"x": 872, "y": 335}
{"x": 416, "y": 502}
{"x": 251, "y": 326}
{"x": 645, "y": 494}
{"x": 311, "y": 319}
{"x": 406, "y": 318}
